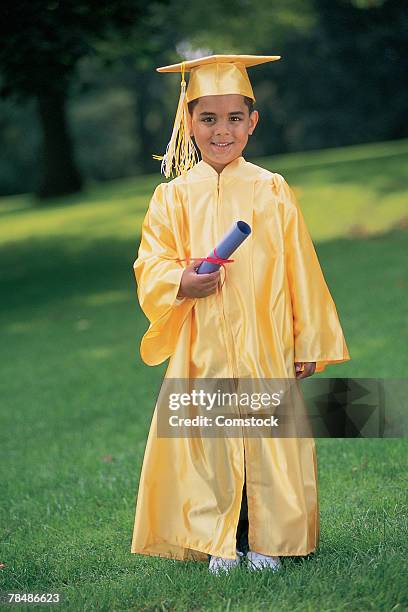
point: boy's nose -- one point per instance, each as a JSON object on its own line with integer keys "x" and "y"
{"x": 222, "y": 128}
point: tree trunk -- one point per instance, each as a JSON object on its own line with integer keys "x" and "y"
{"x": 60, "y": 175}
{"x": 141, "y": 90}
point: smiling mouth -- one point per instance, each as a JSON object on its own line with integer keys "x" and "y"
{"x": 221, "y": 145}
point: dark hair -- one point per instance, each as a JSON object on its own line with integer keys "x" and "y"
{"x": 248, "y": 101}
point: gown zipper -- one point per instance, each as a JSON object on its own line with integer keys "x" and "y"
{"x": 227, "y": 331}
{"x": 231, "y": 359}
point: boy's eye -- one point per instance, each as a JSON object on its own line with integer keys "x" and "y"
{"x": 233, "y": 118}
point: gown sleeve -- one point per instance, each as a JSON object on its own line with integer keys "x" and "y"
{"x": 318, "y": 335}
{"x": 158, "y": 275}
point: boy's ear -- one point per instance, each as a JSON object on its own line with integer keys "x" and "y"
{"x": 189, "y": 124}
{"x": 253, "y": 121}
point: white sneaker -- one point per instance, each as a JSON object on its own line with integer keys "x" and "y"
{"x": 257, "y": 561}
{"x": 219, "y": 565}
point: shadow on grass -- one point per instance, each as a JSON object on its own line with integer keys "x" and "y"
{"x": 42, "y": 271}
{"x": 92, "y": 193}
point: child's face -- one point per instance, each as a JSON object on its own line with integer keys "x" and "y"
{"x": 222, "y": 120}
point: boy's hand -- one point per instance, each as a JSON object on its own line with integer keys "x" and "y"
{"x": 308, "y": 370}
{"x": 195, "y": 285}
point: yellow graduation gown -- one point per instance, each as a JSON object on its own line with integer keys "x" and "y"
{"x": 274, "y": 309}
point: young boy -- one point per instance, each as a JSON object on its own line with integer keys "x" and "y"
{"x": 273, "y": 317}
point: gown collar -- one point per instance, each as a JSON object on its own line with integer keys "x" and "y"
{"x": 203, "y": 169}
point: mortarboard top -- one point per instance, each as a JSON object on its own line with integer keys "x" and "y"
{"x": 219, "y": 74}
{"x": 210, "y": 76}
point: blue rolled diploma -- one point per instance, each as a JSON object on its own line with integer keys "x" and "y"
{"x": 228, "y": 244}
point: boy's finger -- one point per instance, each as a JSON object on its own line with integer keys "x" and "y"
{"x": 207, "y": 281}
{"x": 308, "y": 370}
{"x": 210, "y": 291}
{"x": 210, "y": 275}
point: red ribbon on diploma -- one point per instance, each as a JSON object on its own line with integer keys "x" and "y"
{"x": 215, "y": 260}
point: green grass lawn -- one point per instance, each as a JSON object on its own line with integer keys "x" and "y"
{"x": 76, "y": 400}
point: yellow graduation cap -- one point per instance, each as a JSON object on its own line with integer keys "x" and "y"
{"x": 210, "y": 76}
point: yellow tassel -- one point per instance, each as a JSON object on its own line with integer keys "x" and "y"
{"x": 181, "y": 154}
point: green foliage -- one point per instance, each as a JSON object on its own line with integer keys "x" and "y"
{"x": 105, "y": 132}
{"x": 20, "y": 145}
{"x": 361, "y": 55}
{"x": 340, "y": 80}
{"x": 42, "y": 41}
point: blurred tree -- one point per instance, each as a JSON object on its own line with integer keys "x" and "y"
{"x": 132, "y": 62}
{"x": 340, "y": 80}
{"x": 41, "y": 44}
{"x": 363, "y": 45}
